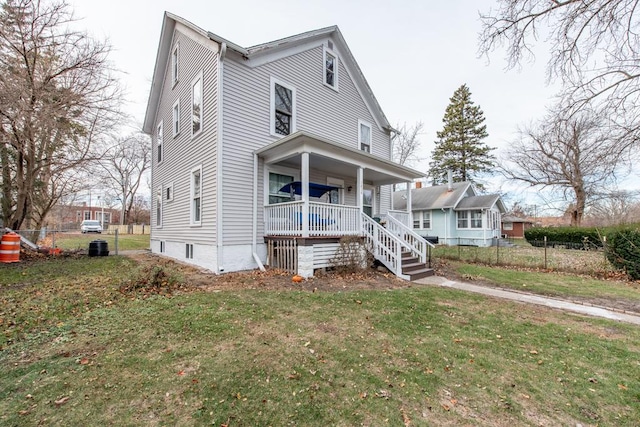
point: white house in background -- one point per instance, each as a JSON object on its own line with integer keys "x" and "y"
{"x": 454, "y": 213}
{"x": 270, "y": 154}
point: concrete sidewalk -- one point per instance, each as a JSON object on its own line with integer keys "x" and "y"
{"x": 532, "y": 299}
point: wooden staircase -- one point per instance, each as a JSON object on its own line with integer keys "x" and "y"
{"x": 412, "y": 267}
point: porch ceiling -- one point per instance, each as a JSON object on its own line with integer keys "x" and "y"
{"x": 335, "y": 158}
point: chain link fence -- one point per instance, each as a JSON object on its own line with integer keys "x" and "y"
{"x": 569, "y": 257}
{"x": 70, "y": 240}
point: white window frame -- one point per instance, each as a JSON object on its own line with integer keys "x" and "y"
{"x": 175, "y": 65}
{"x": 175, "y": 118}
{"x": 159, "y": 207}
{"x": 326, "y": 51}
{"x": 167, "y": 195}
{"x": 195, "y": 81}
{"x": 466, "y": 220}
{"x": 159, "y": 141}
{"x": 373, "y": 198}
{"x": 473, "y": 218}
{"x": 84, "y": 215}
{"x": 188, "y": 251}
{"x": 192, "y": 197}
{"x": 507, "y": 226}
{"x": 336, "y": 182}
{"x": 419, "y": 218}
{"x": 360, "y": 142}
{"x": 272, "y": 123}
{"x": 281, "y": 170}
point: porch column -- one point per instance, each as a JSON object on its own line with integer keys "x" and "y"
{"x": 359, "y": 191}
{"x": 304, "y": 176}
{"x": 409, "y": 205}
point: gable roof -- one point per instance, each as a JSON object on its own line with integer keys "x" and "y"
{"x": 480, "y": 202}
{"x": 435, "y": 197}
{"x": 256, "y": 52}
{"x": 513, "y": 218}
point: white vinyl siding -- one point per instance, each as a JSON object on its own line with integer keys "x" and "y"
{"x": 182, "y": 153}
{"x": 196, "y": 106}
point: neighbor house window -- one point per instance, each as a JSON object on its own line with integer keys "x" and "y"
{"x": 330, "y": 69}
{"x": 507, "y": 226}
{"x": 159, "y": 137}
{"x": 283, "y": 108}
{"x": 87, "y": 214}
{"x": 176, "y": 118}
{"x": 422, "y": 219}
{"x": 276, "y": 182}
{"x": 159, "y": 207}
{"x": 174, "y": 64}
{"x": 196, "y": 195}
{"x": 463, "y": 219}
{"x": 476, "y": 219}
{"x": 364, "y": 136}
{"x": 196, "y": 105}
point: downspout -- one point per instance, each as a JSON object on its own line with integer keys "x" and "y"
{"x": 254, "y": 236}
{"x": 219, "y": 174}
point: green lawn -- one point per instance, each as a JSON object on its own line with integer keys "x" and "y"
{"x": 73, "y": 241}
{"x": 76, "y": 351}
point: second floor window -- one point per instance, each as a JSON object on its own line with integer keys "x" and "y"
{"x": 364, "y": 136}
{"x": 176, "y": 118}
{"x": 330, "y": 69}
{"x": 283, "y": 108}
{"x": 174, "y": 64}
{"x": 159, "y": 137}
{"x": 196, "y": 106}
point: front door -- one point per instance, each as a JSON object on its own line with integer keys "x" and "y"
{"x": 368, "y": 200}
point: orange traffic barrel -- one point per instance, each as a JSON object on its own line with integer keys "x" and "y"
{"x": 10, "y": 248}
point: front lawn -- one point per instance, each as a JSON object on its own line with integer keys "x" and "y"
{"x": 77, "y": 351}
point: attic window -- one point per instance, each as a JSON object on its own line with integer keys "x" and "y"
{"x": 330, "y": 69}
{"x": 364, "y": 136}
{"x": 283, "y": 108}
{"x": 174, "y": 64}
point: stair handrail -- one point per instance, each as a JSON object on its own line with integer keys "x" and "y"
{"x": 418, "y": 245}
{"x": 385, "y": 246}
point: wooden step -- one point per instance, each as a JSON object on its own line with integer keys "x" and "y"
{"x": 419, "y": 274}
{"x": 413, "y": 266}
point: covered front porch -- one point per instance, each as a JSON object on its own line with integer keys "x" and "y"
{"x": 316, "y": 191}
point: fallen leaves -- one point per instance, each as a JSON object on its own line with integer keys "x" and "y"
{"x": 62, "y": 401}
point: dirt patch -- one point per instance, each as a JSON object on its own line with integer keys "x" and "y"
{"x": 272, "y": 279}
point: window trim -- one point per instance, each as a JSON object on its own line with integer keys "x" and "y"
{"x": 272, "y": 106}
{"x": 507, "y": 226}
{"x": 326, "y": 51}
{"x": 159, "y": 141}
{"x": 420, "y": 217}
{"x": 188, "y": 251}
{"x": 192, "y": 211}
{"x": 193, "y": 83}
{"x": 472, "y": 219}
{"x": 468, "y": 219}
{"x": 175, "y": 115}
{"x": 360, "y": 144}
{"x": 159, "y": 207}
{"x": 175, "y": 65}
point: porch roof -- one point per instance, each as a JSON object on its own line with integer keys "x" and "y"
{"x": 334, "y": 158}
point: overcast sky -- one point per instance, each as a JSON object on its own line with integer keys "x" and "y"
{"x": 414, "y": 54}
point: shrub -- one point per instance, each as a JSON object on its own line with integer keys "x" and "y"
{"x": 351, "y": 256}
{"x": 571, "y": 237}
{"x": 623, "y": 251}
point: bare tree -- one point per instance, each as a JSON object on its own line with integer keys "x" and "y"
{"x": 405, "y": 144}
{"x": 57, "y": 96}
{"x": 594, "y": 51}
{"x": 572, "y": 155}
{"x": 123, "y": 169}
{"x": 617, "y": 207}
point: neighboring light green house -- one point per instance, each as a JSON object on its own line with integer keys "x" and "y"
{"x": 454, "y": 213}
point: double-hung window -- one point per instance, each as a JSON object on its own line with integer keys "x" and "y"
{"x": 276, "y": 182}
{"x": 196, "y": 105}
{"x": 476, "y": 219}
{"x": 364, "y": 135}
{"x": 159, "y": 207}
{"x": 422, "y": 219}
{"x": 463, "y": 219}
{"x": 176, "y": 118}
{"x": 196, "y": 195}
{"x": 174, "y": 64}
{"x": 159, "y": 136}
{"x": 330, "y": 68}
{"x": 283, "y": 108}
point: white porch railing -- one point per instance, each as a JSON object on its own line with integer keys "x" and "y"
{"x": 385, "y": 246}
{"x": 416, "y": 243}
{"x": 402, "y": 216}
{"x": 285, "y": 219}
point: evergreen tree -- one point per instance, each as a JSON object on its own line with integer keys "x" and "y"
{"x": 460, "y": 147}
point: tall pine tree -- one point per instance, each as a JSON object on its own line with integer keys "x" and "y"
{"x": 460, "y": 147}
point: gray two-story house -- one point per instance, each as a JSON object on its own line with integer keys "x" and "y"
{"x": 270, "y": 153}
